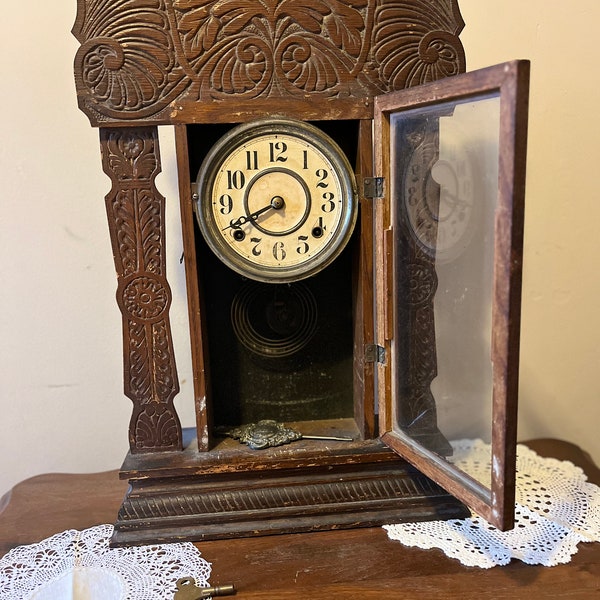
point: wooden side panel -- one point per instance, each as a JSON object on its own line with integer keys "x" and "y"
{"x": 226, "y": 61}
{"x": 199, "y": 346}
{"x": 136, "y": 217}
{"x": 364, "y": 319}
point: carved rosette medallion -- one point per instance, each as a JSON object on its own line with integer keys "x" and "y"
{"x": 136, "y": 218}
{"x": 144, "y": 297}
{"x": 139, "y": 59}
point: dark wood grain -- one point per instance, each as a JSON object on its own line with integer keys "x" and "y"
{"x": 47, "y": 504}
{"x": 331, "y": 565}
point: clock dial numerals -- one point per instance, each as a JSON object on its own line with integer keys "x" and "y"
{"x": 277, "y": 204}
{"x": 225, "y": 204}
{"x": 299, "y": 188}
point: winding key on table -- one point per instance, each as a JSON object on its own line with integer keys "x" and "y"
{"x": 188, "y": 590}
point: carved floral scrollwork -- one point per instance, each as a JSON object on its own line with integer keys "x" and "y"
{"x": 416, "y": 41}
{"x": 271, "y": 46}
{"x": 421, "y": 282}
{"x": 156, "y": 427}
{"x": 126, "y": 64}
{"x": 137, "y": 222}
{"x": 137, "y": 57}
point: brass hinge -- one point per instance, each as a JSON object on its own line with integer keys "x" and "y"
{"x": 373, "y": 187}
{"x": 374, "y": 353}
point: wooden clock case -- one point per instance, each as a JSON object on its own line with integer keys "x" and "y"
{"x": 203, "y": 66}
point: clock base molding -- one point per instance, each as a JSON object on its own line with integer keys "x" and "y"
{"x": 220, "y": 506}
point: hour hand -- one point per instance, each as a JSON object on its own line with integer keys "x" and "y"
{"x": 276, "y": 203}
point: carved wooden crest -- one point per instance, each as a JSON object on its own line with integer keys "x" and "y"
{"x": 157, "y": 59}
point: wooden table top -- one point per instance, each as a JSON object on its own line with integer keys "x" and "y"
{"x": 359, "y": 563}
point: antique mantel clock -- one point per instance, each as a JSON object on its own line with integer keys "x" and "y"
{"x": 352, "y": 214}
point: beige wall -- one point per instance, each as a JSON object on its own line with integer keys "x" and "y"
{"x": 560, "y": 340}
{"x": 60, "y": 389}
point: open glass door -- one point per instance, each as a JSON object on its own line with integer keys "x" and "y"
{"x": 449, "y": 230}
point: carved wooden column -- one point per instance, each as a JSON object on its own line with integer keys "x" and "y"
{"x": 136, "y": 217}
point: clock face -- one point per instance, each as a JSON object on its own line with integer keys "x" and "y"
{"x": 276, "y": 200}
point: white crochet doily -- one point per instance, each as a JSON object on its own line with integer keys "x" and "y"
{"x": 78, "y": 565}
{"x": 556, "y": 508}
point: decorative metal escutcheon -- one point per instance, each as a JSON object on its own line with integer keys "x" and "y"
{"x": 268, "y": 433}
{"x": 264, "y": 434}
{"x": 188, "y": 590}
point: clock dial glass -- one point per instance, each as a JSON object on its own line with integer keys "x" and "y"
{"x": 276, "y": 200}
